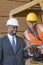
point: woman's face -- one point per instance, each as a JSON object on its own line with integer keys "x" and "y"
{"x": 31, "y": 25}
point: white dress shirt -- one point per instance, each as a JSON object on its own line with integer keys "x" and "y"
{"x": 10, "y": 38}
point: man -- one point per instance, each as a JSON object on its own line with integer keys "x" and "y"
{"x": 34, "y": 35}
{"x": 11, "y": 46}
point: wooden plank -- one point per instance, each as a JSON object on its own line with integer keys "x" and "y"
{"x": 3, "y": 21}
{"x": 22, "y": 0}
{"x": 41, "y": 3}
{"x": 42, "y": 18}
{"x": 17, "y": 4}
{"x": 22, "y": 8}
{"x": 5, "y": 7}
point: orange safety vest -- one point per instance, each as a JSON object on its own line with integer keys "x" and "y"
{"x": 34, "y": 39}
{"x": 40, "y": 33}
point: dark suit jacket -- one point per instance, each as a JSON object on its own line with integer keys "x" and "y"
{"x": 7, "y": 54}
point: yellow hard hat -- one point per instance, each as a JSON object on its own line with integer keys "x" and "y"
{"x": 32, "y": 17}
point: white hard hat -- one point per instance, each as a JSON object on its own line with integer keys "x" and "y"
{"x": 13, "y": 22}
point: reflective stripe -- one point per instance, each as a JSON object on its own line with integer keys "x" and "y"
{"x": 40, "y": 47}
{"x": 26, "y": 35}
{"x": 41, "y": 28}
{"x": 40, "y": 31}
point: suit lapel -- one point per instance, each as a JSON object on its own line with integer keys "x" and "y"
{"x": 9, "y": 44}
{"x": 17, "y": 44}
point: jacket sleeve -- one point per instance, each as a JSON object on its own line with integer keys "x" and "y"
{"x": 0, "y": 53}
{"x": 25, "y": 52}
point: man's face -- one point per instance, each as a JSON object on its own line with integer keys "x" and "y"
{"x": 12, "y": 30}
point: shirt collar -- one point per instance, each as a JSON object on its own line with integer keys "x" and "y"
{"x": 10, "y": 38}
{"x": 10, "y": 35}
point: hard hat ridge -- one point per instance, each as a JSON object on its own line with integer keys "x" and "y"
{"x": 13, "y": 22}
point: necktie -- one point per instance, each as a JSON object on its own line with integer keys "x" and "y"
{"x": 13, "y": 44}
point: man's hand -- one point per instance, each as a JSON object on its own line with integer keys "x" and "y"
{"x": 31, "y": 49}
